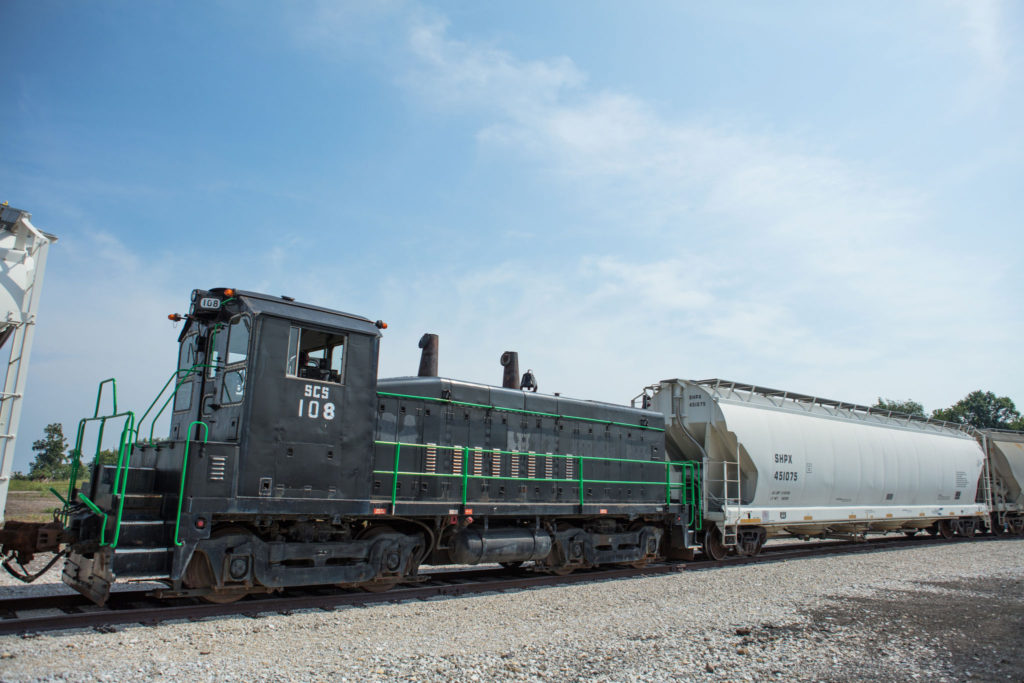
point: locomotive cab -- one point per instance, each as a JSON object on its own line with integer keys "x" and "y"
{"x": 286, "y": 394}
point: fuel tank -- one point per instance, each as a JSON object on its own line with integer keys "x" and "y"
{"x": 480, "y": 546}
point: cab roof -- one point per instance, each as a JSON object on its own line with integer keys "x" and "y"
{"x": 285, "y": 307}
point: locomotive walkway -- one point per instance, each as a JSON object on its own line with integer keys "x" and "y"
{"x": 22, "y": 615}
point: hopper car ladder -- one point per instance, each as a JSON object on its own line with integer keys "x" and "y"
{"x": 995, "y": 496}
{"x": 731, "y": 499}
{"x": 731, "y": 495}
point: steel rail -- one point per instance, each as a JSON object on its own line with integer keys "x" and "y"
{"x": 139, "y": 606}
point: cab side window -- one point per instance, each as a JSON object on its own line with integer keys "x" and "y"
{"x": 316, "y": 355}
{"x": 233, "y": 387}
{"x": 186, "y": 360}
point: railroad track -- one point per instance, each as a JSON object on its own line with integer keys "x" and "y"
{"x": 22, "y": 615}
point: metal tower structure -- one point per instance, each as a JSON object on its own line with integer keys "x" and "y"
{"x": 23, "y": 250}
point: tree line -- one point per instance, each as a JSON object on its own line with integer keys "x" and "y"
{"x": 981, "y": 409}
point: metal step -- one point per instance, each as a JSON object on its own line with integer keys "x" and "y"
{"x": 141, "y": 562}
{"x": 144, "y": 533}
{"x": 137, "y": 506}
{"x": 140, "y": 479}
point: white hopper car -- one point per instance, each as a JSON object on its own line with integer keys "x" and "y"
{"x": 778, "y": 463}
{"x": 1005, "y": 451}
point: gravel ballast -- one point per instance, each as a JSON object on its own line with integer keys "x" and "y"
{"x": 935, "y": 613}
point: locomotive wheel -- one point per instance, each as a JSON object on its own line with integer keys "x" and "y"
{"x": 933, "y": 530}
{"x": 385, "y": 585}
{"x": 198, "y": 574}
{"x": 946, "y": 529}
{"x": 714, "y": 549}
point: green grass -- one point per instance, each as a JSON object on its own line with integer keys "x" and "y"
{"x": 40, "y": 485}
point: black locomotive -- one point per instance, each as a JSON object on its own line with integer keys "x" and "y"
{"x": 290, "y": 463}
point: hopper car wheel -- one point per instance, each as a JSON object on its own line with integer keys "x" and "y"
{"x": 198, "y": 574}
{"x": 933, "y": 530}
{"x": 996, "y": 527}
{"x": 910, "y": 533}
{"x": 750, "y": 548}
{"x": 946, "y": 529}
{"x": 511, "y": 565}
{"x": 714, "y": 548}
{"x": 561, "y": 571}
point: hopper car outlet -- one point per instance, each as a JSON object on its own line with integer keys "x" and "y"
{"x": 290, "y": 463}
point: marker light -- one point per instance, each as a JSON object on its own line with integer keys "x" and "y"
{"x": 175, "y": 317}
{"x": 229, "y": 292}
{"x": 381, "y": 325}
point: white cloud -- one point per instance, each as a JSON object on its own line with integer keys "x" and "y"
{"x": 751, "y": 251}
{"x": 982, "y": 25}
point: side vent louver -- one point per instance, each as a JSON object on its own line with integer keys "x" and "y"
{"x": 218, "y": 465}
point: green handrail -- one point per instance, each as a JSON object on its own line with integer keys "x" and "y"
{"x": 124, "y": 457}
{"x": 689, "y": 474}
{"x": 394, "y": 482}
{"x": 579, "y": 459}
{"x": 174, "y": 394}
{"x": 465, "y": 475}
{"x": 76, "y": 452}
{"x": 129, "y": 435}
{"x": 62, "y": 498}
{"x": 160, "y": 393}
{"x": 186, "y": 375}
{"x": 99, "y": 395}
{"x": 184, "y": 469}
{"x": 95, "y": 508}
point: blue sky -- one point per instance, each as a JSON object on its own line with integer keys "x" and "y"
{"x": 817, "y": 197}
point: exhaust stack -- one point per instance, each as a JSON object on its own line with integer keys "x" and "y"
{"x": 510, "y": 376}
{"x": 428, "y": 358}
